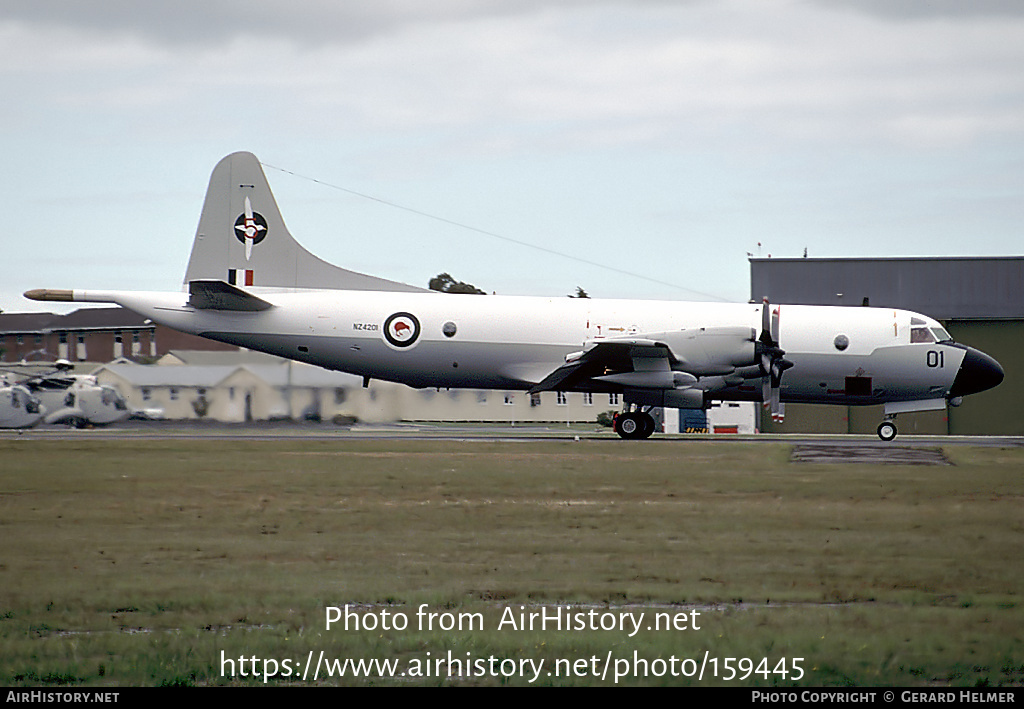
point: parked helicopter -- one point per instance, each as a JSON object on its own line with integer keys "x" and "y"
{"x": 19, "y": 408}
{"x": 65, "y": 398}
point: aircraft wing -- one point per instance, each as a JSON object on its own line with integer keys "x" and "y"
{"x": 664, "y": 360}
{"x": 599, "y": 359}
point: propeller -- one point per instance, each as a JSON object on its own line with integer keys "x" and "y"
{"x": 772, "y": 361}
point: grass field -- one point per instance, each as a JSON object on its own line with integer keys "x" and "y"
{"x": 156, "y": 562}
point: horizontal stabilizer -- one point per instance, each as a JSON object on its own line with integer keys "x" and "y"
{"x": 218, "y": 295}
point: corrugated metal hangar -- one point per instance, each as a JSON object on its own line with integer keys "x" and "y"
{"x": 980, "y": 301}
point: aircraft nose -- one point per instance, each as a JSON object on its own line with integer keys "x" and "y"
{"x": 978, "y": 372}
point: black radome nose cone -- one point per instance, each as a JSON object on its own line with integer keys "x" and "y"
{"x": 978, "y": 372}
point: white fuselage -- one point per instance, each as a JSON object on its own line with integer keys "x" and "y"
{"x": 513, "y": 342}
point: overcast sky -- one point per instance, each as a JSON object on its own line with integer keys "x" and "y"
{"x": 661, "y": 140}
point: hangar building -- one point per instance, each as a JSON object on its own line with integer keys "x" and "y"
{"x": 979, "y": 300}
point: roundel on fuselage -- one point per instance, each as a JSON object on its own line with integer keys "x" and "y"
{"x": 402, "y": 329}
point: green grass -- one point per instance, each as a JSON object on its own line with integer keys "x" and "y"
{"x": 139, "y": 562}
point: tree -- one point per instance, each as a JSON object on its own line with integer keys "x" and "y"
{"x": 444, "y": 283}
{"x": 580, "y": 293}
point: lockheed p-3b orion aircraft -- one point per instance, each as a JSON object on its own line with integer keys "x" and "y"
{"x": 249, "y": 283}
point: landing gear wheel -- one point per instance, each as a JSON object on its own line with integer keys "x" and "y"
{"x": 634, "y": 425}
{"x": 648, "y": 425}
{"x": 629, "y": 426}
{"x": 887, "y": 430}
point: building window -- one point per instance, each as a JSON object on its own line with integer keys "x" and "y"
{"x": 510, "y": 399}
{"x": 613, "y": 399}
{"x": 481, "y": 398}
{"x": 588, "y": 398}
{"x": 560, "y": 398}
{"x": 146, "y": 394}
{"x": 174, "y": 393}
{"x": 535, "y": 399}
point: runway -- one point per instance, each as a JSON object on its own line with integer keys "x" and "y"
{"x": 263, "y": 431}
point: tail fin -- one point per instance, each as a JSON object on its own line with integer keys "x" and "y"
{"x": 242, "y": 238}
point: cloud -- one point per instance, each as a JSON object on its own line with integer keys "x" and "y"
{"x": 221, "y": 21}
{"x": 929, "y": 9}
{"x": 509, "y": 74}
{"x": 717, "y": 121}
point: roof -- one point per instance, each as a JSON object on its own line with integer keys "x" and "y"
{"x": 946, "y": 288}
{"x": 26, "y": 322}
{"x": 276, "y": 375}
{"x": 101, "y": 318}
{"x": 212, "y": 357}
{"x": 81, "y": 319}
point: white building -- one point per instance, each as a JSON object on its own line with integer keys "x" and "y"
{"x": 251, "y": 386}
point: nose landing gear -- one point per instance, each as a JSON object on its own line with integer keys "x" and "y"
{"x": 887, "y": 429}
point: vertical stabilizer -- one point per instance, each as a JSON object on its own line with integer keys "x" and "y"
{"x": 242, "y": 239}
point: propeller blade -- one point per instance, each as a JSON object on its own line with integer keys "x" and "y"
{"x": 771, "y": 361}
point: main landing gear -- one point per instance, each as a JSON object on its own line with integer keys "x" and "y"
{"x": 634, "y": 425}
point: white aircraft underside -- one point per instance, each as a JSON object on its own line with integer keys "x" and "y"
{"x": 250, "y": 284}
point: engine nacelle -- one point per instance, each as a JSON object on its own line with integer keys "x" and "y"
{"x": 709, "y": 351}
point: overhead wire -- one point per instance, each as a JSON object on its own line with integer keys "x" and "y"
{"x": 493, "y": 235}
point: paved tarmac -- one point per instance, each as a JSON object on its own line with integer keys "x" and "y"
{"x": 808, "y": 447}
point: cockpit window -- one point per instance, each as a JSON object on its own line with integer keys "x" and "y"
{"x": 940, "y": 334}
{"x": 921, "y": 334}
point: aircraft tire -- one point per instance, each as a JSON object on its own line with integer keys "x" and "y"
{"x": 648, "y": 425}
{"x": 630, "y": 426}
{"x": 887, "y": 430}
